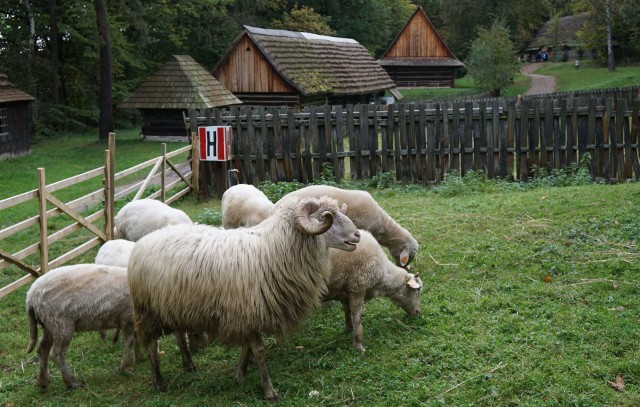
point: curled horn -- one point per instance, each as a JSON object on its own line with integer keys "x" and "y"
{"x": 303, "y": 217}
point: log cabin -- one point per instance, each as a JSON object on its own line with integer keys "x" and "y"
{"x": 166, "y": 96}
{"x": 265, "y": 67}
{"x": 418, "y": 57}
{"x": 15, "y": 125}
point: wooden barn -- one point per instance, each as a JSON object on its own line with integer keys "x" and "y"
{"x": 558, "y": 40}
{"x": 15, "y": 127}
{"x": 181, "y": 84}
{"x": 418, "y": 57}
{"x": 286, "y": 68}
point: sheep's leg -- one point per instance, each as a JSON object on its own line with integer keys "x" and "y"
{"x": 44, "y": 348}
{"x": 241, "y": 371}
{"x": 60, "y": 346}
{"x": 348, "y": 327}
{"x": 185, "y": 353}
{"x": 260, "y": 354}
{"x": 125, "y": 364}
{"x": 152, "y": 352}
{"x": 356, "y": 302}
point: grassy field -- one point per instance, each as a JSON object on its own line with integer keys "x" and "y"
{"x": 530, "y": 299}
{"x": 590, "y": 76}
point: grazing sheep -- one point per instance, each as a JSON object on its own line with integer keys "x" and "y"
{"x": 244, "y": 205}
{"x": 141, "y": 217}
{"x": 115, "y": 253}
{"x": 237, "y": 284}
{"x": 366, "y": 214}
{"x": 367, "y": 273}
{"x": 82, "y": 297}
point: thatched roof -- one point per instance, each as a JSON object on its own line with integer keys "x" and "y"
{"x": 562, "y": 35}
{"x": 419, "y": 44}
{"x": 8, "y": 93}
{"x": 318, "y": 64}
{"x": 181, "y": 83}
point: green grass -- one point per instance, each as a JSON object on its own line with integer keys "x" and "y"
{"x": 530, "y": 299}
{"x": 590, "y": 76}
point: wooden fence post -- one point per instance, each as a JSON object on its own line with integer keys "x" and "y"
{"x": 195, "y": 165}
{"x": 42, "y": 210}
{"x": 163, "y": 168}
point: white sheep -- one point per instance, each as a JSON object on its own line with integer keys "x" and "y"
{"x": 237, "y": 284}
{"x": 82, "y": 297}
{"x": 143, "y": 216}
{"x": 366, "y": 214}
{"x": 367, "y": 273}
{"x": 115, "y": 253}
{"x": 244, "y": 205}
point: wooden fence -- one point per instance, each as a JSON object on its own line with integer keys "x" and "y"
{"x": 100, "y": 202}
{"x": 423, "y": 142}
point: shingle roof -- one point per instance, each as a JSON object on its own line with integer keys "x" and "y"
{"x": 564, "y": 35}
{"x": 8, "y": 93}
{"x": 181, "y": 83}
{"x": 318, "y": 64}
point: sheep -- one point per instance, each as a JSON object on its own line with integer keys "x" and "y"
{"x": 244, "y": 205}
{"x": 143, "y": 216}
{"x": 82, "y": 297}
{"x": 237, "y": 284}
{"x": 115, "y": 253}
{"x": 366, "y": 214}
{"x": 367, "y": 273}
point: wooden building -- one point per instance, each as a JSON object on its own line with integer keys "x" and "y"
{"x": 287, "y": 68}
{"x": 15, "y": 127}
{"x": 558, "y": 40}
{"x": 181, "y": 84}
{"x": 418, "y": 57}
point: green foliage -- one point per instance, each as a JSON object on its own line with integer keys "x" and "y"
{"x": 209, "y": 217}
{"x": 385, "y": 180}
{"x": 305, "y": 19}
{"x": 491, "y": 62}
{"x": 276, "y": 190}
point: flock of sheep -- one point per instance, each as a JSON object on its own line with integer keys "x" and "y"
{"x": 261, "y": 274}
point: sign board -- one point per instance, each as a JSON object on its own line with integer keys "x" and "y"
{"x": 215, "y": 143}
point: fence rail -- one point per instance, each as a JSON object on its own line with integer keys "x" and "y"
{"x": 422, "y": 142}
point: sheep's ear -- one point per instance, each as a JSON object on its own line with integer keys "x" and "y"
{"x": 404, "y": 257}
{"x": 343, "y": 208}
{"x": 412, "y": 282}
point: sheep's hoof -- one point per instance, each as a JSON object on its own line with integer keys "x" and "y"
{"x": 44, "y": 381}
{"x": 75, "y": 385}
{"x": 160, "y": 385}
{"x": 127, "y": 370}
{"x": 272, "y": 397}
{"x": 239, "y": 378}
{"x": 359, "y": 347}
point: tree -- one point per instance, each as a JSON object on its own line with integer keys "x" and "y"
{"x": 491, "y": 63}
{"x": 106, "y": 95}
{"x": 305, "y": 19}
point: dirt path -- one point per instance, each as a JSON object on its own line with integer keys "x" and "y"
{"x": 539, "y": 83}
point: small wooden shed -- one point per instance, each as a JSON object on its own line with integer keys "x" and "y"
{"x": 15, "y": 127}
{"x": 418, "y": 57}
{"x": 181, "y": 84}
{"x": 288, "y": 68}
{"x": 558, "y": 39}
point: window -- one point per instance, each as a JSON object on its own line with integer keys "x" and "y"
{"x": 4, "y": 122}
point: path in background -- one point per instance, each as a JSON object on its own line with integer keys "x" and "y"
{"x": 539, "y": 83}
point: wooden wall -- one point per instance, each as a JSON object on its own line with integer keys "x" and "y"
{"x": 18, "y": 140}
{"x": 418, "y": 39}
{"x": 421, "y": 76}
{"x": 246, "y": 70}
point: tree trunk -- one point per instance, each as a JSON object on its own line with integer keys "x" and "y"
{"x": 610, "y": 60}
{"x": 53, "y": 43}
{"x": 32, "y": 45}
{"x": 106, "y": 97}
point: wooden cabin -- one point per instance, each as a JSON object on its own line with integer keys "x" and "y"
{"x": 286, "y": 68}
{"x": 418, "y": 57}
{"x": 181, "y": 84}
{"x": 15, "y": 126}
{"x": 558, "y": 40}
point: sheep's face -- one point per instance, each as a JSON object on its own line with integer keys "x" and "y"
{"x": 409, "y": 299}
{"x": 342, "y": 234}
